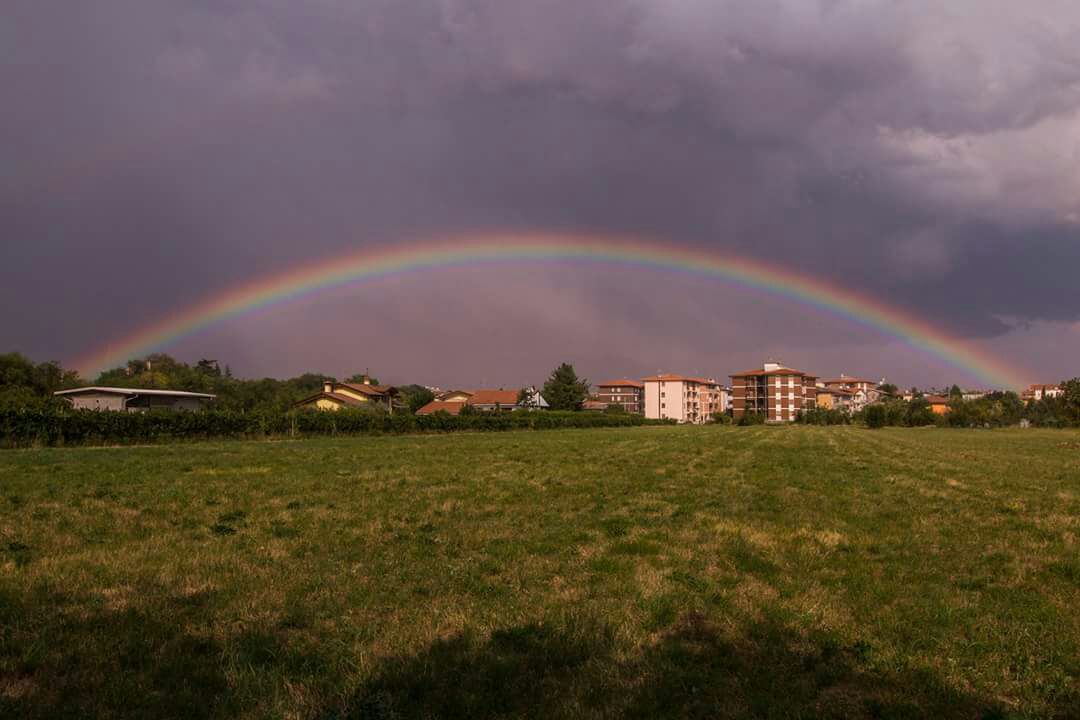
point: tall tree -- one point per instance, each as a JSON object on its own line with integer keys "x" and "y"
{"x": 563, "y": 390}
{"x": 415, "y": 396}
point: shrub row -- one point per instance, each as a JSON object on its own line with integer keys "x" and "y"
{"x": 20, "y": 428}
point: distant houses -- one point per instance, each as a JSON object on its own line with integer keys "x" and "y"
{"x": 1040, "y": 392}
{"x": 485, "y": 400}
{"x": 772, "y": 393}
{"x": 861, "y": 392}
{"x": 133, "y": 399}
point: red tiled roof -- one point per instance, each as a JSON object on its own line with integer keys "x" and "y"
{"x": 937, "y": 399}
{"x": 621, "y": 383}
{"x": 667, "y": 377}
{"x": 436, "y": 405}
{"x": 777, "y": 371}
{"x": 506, "y": 398}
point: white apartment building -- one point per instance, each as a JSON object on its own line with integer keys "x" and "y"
{"x": 684, "y": 399}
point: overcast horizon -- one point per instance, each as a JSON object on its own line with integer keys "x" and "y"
{"x": 160, "y": 153}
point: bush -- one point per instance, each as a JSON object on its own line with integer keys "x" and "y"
{"x": 822, "y": 416}
{"x": 86, "y": 427}
{"x": 751, "y": 419}
{"x": 875, "y": 416}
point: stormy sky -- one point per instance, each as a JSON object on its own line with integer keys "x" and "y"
{"x": 924, "y": 153}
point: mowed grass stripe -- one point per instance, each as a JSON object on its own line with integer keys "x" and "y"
{"x": 641, "y": 572}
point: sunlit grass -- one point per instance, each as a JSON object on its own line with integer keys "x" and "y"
{"x": 713, "y": 572}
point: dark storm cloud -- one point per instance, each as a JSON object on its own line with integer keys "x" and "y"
{"x": 157, "y": 151}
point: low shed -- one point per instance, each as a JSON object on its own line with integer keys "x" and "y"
{"x": 133, "y": 399}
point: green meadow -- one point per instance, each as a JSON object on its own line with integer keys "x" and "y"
{"x": 710, "y": 572}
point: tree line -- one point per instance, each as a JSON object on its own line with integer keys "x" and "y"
{"x": 28, "y": 385}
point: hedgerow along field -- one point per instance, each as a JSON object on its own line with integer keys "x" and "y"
{"x": 607, "y": 573}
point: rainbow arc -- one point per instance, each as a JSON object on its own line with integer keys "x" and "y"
{"x": 471, "y": 249}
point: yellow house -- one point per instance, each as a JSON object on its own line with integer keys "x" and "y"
{"x": 335, "y": 396}
{"x": 834, "y": 398}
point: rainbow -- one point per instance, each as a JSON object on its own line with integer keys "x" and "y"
{"x": 471, "y": 249}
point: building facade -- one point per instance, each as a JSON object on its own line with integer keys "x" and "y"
{"x": 133, "y": 399}
{"x": 1039, "y": 392}
{"x": 628, "y": 393}
{"x": 835, "y": 399}
{"x": 775, "y": 391}
{"x": 683, "y": 399}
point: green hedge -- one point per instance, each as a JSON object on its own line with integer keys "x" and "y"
{"x": 20, "y": 428}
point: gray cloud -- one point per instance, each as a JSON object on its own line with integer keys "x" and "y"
{"x": 160, "y": 151}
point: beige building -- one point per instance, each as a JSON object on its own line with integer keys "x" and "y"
{"x": 133, "y": 399}
{"x": 335, "y": 396}
{"x": 683, "y": 399}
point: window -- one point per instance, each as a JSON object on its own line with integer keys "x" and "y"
{"x": 663, "y": 405}
{"x": 663, "y": 394}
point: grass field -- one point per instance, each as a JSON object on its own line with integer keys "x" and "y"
{"x": 646, "y": 572}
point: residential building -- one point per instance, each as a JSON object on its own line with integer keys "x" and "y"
{"x": 628, "y": 393}
{"x": 683, "y": 399}
{"x": 533, "y": 400}
{"x": 863, "y": 391}
{"x": 454, "y": 396}
{"x": 835, "y": 399}
{"x": 939, "y": 404}
{"x": 775, "y": 391}
{"x": 335, "y": 396}
{"x": 484, "y": 401}
{"x": 1040, "y": 392}
{"x": 594, "y": 406}
{"x": 133, "y": 399}
{"x": 452, "y": 407}
{"x": 488, "y": 400}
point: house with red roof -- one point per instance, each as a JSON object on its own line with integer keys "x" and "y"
{"x": 484, "y": 400}
{"x": 335, "y": 396}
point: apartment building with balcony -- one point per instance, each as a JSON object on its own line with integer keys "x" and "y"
{"x": 628, "y": 393}
{"x": 775, "y": 391}
{"x": 684, "y": 399}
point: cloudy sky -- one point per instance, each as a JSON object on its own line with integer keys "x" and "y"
{"x": 925, "y": 153}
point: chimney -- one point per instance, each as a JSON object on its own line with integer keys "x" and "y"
{"x": 367, "y": 380}
{"x": 327, "y": 386}
{"x": 771, "y": 365}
